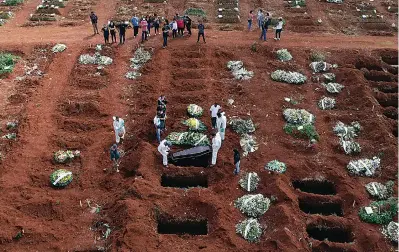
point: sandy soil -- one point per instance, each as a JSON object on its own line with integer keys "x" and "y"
{"x": 70, "y": 107}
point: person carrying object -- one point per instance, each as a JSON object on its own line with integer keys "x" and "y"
{"x": 164, "y": 148}
{"x": 119, "y": 128}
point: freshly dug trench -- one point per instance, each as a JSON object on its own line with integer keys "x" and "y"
{"x": 385, "y": 87}
{"x": 312, "y": 206}
{"x": 332, "y": 234}
{"x": 387, "y": 100}
{"x": 322, "y": 187}
{"x": 391, "y": 112}
{"x": 180, "y": 181}
{"x": 379, "y": 76}
{"x": 390, "y": 59}
{"x": 191, "y": 227}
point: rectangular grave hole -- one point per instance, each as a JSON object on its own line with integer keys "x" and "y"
{"x": 191, "y": 227}
{"x": 187, "y": 181}
{"x": 313, "y": 206}
{"x": 332, "y": 234}
{"x": 323, "y": 187}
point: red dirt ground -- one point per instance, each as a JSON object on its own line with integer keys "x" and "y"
{"x": 71, "y": 108}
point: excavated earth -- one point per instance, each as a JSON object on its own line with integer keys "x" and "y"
{"x": 70, "y": 106}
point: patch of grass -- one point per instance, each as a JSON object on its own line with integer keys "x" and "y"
{"x": 13, "y": 2}
{"x": 317, "y": 56}
{"x": 7, "y": 63}
{"x": 307, "y": 131}
{"x": 384, "y": 211}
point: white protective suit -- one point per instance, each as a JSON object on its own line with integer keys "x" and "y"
{"x": 164, "y": 150}
{"x": 216, "y": 143}
{"x": 119, "y": 128}
{"x": 221, "y": 125}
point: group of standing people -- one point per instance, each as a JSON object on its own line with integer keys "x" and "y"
{"x": 264, "y": 21}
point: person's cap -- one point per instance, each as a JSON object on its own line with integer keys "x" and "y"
{"x": 313, "y": 141}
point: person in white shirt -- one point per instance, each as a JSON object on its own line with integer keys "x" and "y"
{"x": 214, "y": 111}
{"x": 157, "y": 124}
{"x": 119, "y": 128}
{"x": 216, "y": 143}
{"x": 221, "y": 122}
{"x": 174, "y": 29}
{"x": 163, "y": 148}
{"x": 279, "y": 28}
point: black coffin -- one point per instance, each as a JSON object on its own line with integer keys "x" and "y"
{"x": 198, "y": 156}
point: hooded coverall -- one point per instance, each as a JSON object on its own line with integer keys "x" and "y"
{"x": 216, "y": 143}
{"x": 221, "y": 125}
{"x": 119, "y": 127}
{"x": 164, "y": 150}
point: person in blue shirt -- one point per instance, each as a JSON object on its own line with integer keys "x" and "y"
{"x": 201, "y": 31}
{"x": 135, "y": 24}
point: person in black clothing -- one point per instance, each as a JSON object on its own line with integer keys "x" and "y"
{"x": 112, "y": 30}
{"x": 165, "y": 34}
{"x": 156, "y": 24}
{"x": 236, "y": 161}
{"x": 105, "y": 30}
{"x": 122, "y": 32}
{"x": 201, "y": 31}
{"x": 265, "y": 26}
{"x": 94, "y": 19}
{"x": 188, "y": 24}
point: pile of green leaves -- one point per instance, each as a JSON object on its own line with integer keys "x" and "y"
{"x": 306, "y": 131}
{"x": 64, "y": 181}
{"x": 195, "y": 12}
{"x": 188, "y": 138}
{"x": 7, "y": 63}
{"x": 253, "y": 205}
{"x": 383, "y": 211}
{"x": 249, "y": 229}
{"x": 13, "y": 2}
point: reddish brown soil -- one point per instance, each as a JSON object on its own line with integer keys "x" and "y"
{"x": 72, "y": 107}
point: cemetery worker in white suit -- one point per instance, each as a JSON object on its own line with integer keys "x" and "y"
{"x": 163, "y": 148}
{"x": 216, "y": 143}
{"x": 119, "y": 128}
{"x": 221, "y": 122}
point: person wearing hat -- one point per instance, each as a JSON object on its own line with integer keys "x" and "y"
{"x": 216, "y": 143}
{"x": 119, "y": 127}
{"x": 115, "y": 155}
{"x": 279, "y": 28}
{"x": 164, "y": 149}
{"x": 144, "y": 27}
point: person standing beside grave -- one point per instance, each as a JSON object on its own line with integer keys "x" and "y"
{"x": 216, "y": 143}
{"x": 164, "y": 149}
{"x": 214, "y": 114}
{"x": 250, "y": 19}
{"x": 119, "y": 128}
{"x": 188, "y": 25}
{"x": 221, "y": 122}
{"x": 260, "y": 18}
{"x": 279, "y": 28}
{"x": 156, "y": 24}
{"x": 135, "y": 24}
{"x": 122, "y": 32}
{"x": 174, "y": 28}
{"x": 94, "y": 19}
{"x": 265, "y": 26}
{"x": 165, "y": 34}
{"x": 236, "y": 161}
{"x": 112, "y": 30}
{"x": 105, "y": 31}
{"x": 180, "y": 26}
{"x": 115, "y": 155}
{"x": 144, "y": 26}
{"x": 201, "y": 31}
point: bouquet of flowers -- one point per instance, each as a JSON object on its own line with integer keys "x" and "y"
{"x": 248, "y": 144}
{"x": 288, "y": 77}
{"x": 320, "y": 66}
{"x": 380, "y": 191}
{"x": 195, "y": 125}
{"x": 333, "y": 88}
{"x": 276, "y": 166}
{"x": 140, "y": 57}
{"x": 391, "y": 231}
{"x": 188, "y": 138}
{"x": 350, "y": 146}
{"x": 61, "y": 178}
{"x": 63, "y": 157}
{"x": 242, "y": 126}
{"x": 194, "y": 110}
{"x": 284, "y": 55}
{"x": 249, "y": 182}
{"x": 364, "y": 167}
{"x": 345, "y": 131}
{"x": 326, "y": 103}
{"x": 234, "y": 65}
{"x": 379, "y": 212}
{"x": 249, "y": 229}
{"x": 58, "y": 48}
{"x": 298, "y": 116}
{"x": 253, "y": 205}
